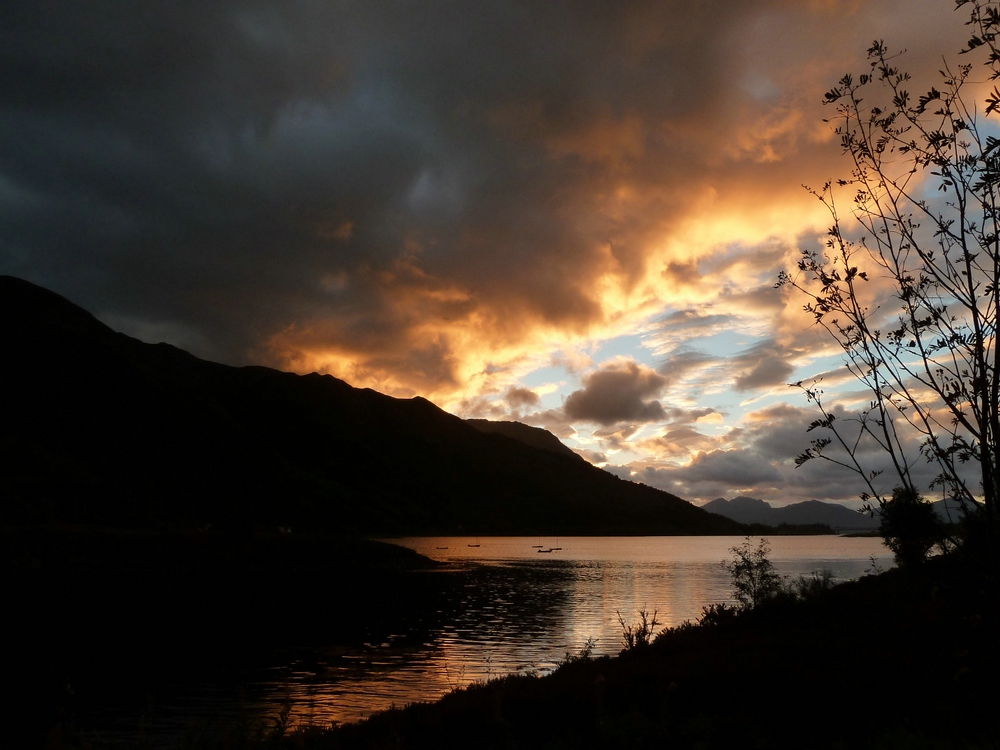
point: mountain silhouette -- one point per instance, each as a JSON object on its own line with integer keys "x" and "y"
{"x": 750, "y": 510}
{"x": 99, "y": 428}
{"x": 533, "y": 436}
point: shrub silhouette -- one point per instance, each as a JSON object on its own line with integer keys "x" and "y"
{"x": 754, "y": 577}
{"x": 638, "y": 634}
{"x": 909, "y": 527}
{"x": 813, "y": 585}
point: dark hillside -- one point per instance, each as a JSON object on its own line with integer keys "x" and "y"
{"x": 99, "y": 428}
{"x": 534, "y": 436}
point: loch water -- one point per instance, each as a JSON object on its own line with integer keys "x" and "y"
{"x": 522, "y": 605}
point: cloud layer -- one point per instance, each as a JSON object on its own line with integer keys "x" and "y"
{"x": 443, "y": 198}
{"x": 619, "y": 392}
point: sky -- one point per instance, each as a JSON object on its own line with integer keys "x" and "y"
{"x": 566, "y": 213}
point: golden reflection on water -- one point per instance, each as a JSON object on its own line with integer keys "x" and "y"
{"x": 519, "y": 610}
{"x": 526, "y": 610}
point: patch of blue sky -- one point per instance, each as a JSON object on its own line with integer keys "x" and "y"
{"x": 540, "y": 375}
{"x": 552, "y": 383}
{"x": 545, "y": 376}
{"x": 631, "y": 346}
{"x": 724, "y": 343}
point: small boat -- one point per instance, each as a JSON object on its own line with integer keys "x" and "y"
{"x": 557, "y": 543}
{"x": 546, "y": 550}
{"x": 440, "y": 548}
{"x": 474, "y": 545}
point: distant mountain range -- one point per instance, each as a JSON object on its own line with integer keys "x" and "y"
{"x": 99, "y": 428}
{"x": 750, "y": 510}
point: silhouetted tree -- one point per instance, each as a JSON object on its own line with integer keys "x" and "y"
{"x": 909, "y": 527}
{"x": 909, "y": 290}
{"x": 754, "y": 577}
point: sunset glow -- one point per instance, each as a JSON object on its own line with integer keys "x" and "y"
{"x": 568, "y": 214}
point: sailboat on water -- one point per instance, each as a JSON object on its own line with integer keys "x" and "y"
{"x": 474, "y": 545}
{"x": 541, "y": 548}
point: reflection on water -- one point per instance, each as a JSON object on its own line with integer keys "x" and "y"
{"x": 516, "y": 610}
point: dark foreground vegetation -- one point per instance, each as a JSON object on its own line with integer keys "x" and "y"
{"x": 905, "y": 659}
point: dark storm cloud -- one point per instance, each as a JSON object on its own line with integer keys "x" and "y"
{"x": 183, "y": 155}
{"x": 620, "y": 392}
{"x": 400, "y": 185}
{"x": 188, "y": 159}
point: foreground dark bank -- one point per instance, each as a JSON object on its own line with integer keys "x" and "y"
{"x": 907, "y": 659}
{"x": 99, "y": 428}
{"x": 98, "y": 617}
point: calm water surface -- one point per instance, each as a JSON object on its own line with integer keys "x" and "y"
{"x": 518, "y": 610}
